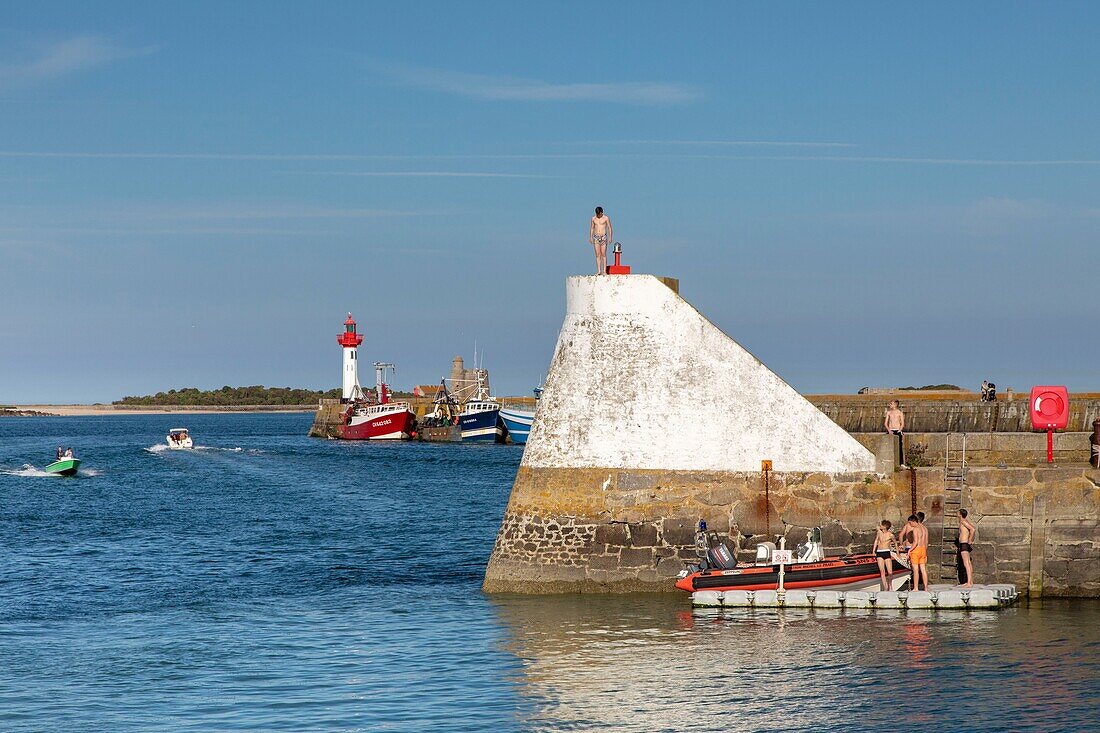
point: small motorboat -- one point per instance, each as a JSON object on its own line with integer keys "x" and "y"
{"x": 65, "y": 465}
{"x": 179, "y": 439}
{"x": 809, "y": 570}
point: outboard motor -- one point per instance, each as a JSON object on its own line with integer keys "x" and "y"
{"x": 720, "y": 557}
{"x": 712, "y": 551}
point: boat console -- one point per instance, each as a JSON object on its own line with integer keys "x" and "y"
{"x": 764, "y": 552}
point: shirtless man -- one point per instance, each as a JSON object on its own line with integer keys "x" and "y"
{"x": 599, "y": 234}
{"x": 918, "y": 554}
{"x": 895, "y": 425}
{"x": 884, "y": 544}
{"x": 967, "y": 533}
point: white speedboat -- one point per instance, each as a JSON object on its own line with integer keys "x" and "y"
{"x": 179, "y": 439}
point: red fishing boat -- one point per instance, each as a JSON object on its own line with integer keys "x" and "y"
{"x": 382, "y": 419}
{"x": 809, "y": 569}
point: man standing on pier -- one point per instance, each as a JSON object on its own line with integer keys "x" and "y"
{"x": 895, "y": 425}
{"x": 967, "y": 533}
{"x": 600, "y": 234}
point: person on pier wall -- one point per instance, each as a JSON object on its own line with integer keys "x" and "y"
{"x": 600, "y": 235}
{"x": 895, "y": 425}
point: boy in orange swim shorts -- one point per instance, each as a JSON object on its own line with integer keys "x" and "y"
{"x": 918, "y": 555}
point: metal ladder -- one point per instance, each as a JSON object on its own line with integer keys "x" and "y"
{"x": 954, "y": 482}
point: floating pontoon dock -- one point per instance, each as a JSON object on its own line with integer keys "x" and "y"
{"x": 937, "y": 597}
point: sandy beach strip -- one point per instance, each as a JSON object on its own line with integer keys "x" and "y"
{"x": 83, "y": 410}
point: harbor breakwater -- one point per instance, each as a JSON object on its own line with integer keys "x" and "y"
{"x": 652, "y": 419}
{"x": 628, "y": 530}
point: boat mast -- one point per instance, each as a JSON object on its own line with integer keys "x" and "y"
{"x": 381, "y": 388}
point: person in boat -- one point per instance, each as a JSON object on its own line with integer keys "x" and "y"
{"x": 68, "y": 453}
{"x": 599, "y": 235}
{"x": 60, "y": 452}
{"x": 895, "y": 425}
{"x": 967, "y": 533}
{"x": 884, "y": 542}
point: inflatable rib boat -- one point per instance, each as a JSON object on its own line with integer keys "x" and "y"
{"x": 809, "y": 570}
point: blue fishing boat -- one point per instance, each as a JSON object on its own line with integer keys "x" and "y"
{"x": 479, "y": 421}
{"x": 518, "y": 422}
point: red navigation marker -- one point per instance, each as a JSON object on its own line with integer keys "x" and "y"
{"x": 618, "y": 268}
{"x": 1049, "y": 408}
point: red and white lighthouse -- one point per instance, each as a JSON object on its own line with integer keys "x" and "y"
{"x": 350, "y": 340}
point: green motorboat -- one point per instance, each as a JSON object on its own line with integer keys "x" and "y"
{"x": 65, "y": 466}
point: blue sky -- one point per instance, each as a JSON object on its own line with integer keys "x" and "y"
{"x": 194, "y": 194}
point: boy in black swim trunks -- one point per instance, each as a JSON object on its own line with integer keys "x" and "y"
{"x": 967, "y": 533}
{"x": 884, "y": 543}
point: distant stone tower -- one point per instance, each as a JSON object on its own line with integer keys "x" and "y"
{"x": 464, "y": 381}
{"x": 458, "y": 372}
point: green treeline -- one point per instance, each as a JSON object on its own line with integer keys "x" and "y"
{"x": 256, "y": 395}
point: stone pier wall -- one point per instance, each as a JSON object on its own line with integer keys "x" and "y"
{"x": 327, "y": 420}
{"x": 964, "y": 414}
{"x": 982, "y": 449}
{"x": 592, "y": 530}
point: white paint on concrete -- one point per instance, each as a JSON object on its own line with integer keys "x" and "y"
{"x": 641, "y": 380}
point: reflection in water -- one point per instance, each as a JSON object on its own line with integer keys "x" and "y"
{"x": 648, "y": 663}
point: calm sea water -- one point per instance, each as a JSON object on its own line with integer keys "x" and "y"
{"x": 270, "y": 582}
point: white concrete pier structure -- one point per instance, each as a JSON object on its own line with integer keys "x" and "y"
{"x": 642, "y": 380}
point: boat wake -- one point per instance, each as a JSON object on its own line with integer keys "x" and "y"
{"x": 28, "y": 471}
{"x": 163, "y": 448}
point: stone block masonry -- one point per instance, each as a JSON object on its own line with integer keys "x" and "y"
{"x": 327, "y": 421}
{"x": 587, "y": 530}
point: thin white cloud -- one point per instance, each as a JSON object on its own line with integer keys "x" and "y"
{"x": 492, "y": 88}
{"x": 427, "y": 174}
{"x": 906, "y": 160}
{"x": 201, "y": 218}
{"x": 62, "y": 58}
{"x": 985, "y": 217}
{"x": 722, "y": 143}
{"x": 321, "y": 157}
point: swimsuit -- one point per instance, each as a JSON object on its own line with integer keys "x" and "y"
{"x": 918, "y": 555}
{"x": 884, "y": 554}
{"x": 966, "y": 547}
{"x": 599, "y": 238}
